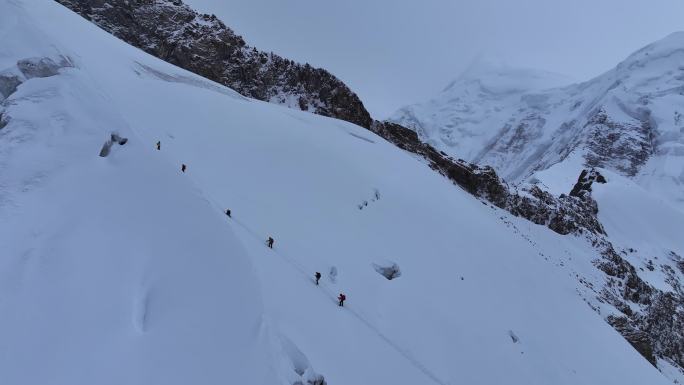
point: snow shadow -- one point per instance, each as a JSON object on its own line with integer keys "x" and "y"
{"x": 113, "y": 139}
{"x": 301, "y": 371}
{"x": 388, "y": 269}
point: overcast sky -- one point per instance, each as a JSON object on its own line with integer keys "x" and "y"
{"x": 397, "y": 52}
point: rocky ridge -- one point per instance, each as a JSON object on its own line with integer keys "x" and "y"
{"x": 201, "y": 43}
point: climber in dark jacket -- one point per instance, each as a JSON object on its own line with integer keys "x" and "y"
{"x": 228, "y": 213}
{"x": 158, "y": 145}
{"x": 341, "y": 298}
{"x": 318, "y": 277}
{"x": 269, "y": 242}
{"x": 183, "y": 167}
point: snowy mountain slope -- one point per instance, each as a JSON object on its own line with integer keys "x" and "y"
{"x": 101, "y": 281}
{"x": 626, "y": 120}
{"x": 122, "y": 269}
{"x": 634, "y": 283}
{"x": 627, "y": 123}
{"x": 472, "y": 108}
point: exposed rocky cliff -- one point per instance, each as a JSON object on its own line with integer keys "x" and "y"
{"x": 202, "y": 44}
{"x": 651, "y": 319}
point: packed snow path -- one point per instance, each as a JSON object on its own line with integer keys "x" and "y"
{"x": 307, "y": 273}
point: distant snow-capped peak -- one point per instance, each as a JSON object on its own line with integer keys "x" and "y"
{"x": 521, "y": 121}
{"x": 498, "y": 77}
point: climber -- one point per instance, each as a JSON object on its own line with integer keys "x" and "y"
{"x": 183, "y": 167}
{"x": 228, "y": 213}
{"x": 318, "y": 277}
{"x": 342, "y": 297}
{"x": 269, "y": 242}
{"x": 158, "y": 145}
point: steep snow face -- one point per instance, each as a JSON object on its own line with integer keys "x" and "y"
{"x": 124, "y": 270}
{"x": 627, "y": 120}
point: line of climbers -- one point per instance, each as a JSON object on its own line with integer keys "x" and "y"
{"x": 269, "y": 242}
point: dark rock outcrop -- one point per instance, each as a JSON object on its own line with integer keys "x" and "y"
{"x": 586, "y": 179}
{"x": 637, "y": 338}
{"x": 622, "y": 145}
{"x": 172, "y": 31}
{"x": 564, "y": 215}
{"x": 652, "y": 320}
{"x": 664, "y": 324}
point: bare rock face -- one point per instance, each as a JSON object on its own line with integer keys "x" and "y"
{"x": 585, "y": 181}
{"x": 172, "y": 31}
{"x": 622, "y": 145}
{"x": 638, "y": 339}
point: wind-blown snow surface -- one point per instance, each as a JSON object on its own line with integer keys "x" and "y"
{"x": 124, "y": 270}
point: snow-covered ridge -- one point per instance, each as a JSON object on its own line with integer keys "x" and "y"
{"x": 499, "y": 78}
{"x": 627, "y": 120}
{"x": 467, "y": 112}
{"x": 124, "y": 270}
